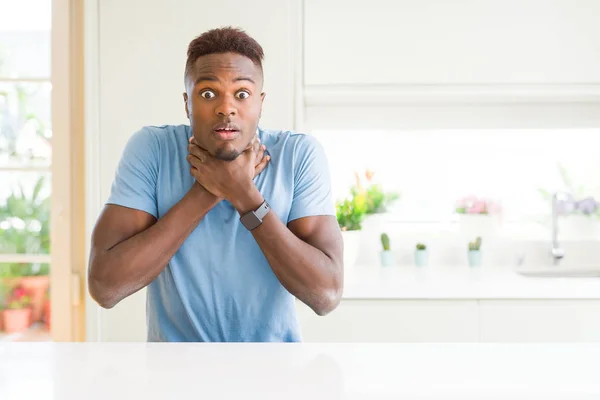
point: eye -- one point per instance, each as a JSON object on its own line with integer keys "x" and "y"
{"x": 208, "y": 94}
{"x": 242, "y": 95}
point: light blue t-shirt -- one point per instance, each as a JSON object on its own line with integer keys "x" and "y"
{"x": 219, "y": 287}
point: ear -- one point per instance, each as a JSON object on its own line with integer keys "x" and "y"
{"x": 262, "y": 100}
{"x": 185, "y": 101}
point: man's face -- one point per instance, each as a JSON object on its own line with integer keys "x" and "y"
{"x": 223, "y": 102}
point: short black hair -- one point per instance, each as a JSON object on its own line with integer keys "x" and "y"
{"x": 224, "y": 40}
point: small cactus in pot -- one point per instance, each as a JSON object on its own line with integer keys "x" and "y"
{"x": 421, "y": 255}
{"x": 387, "y": 257}
{"x": 474, "y": 253}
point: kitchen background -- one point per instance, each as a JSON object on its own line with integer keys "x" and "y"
{"x": 444, "y": 122}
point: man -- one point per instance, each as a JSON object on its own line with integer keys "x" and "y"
{"x": 224, "y": 222}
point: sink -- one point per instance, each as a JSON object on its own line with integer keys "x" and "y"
{"x": 560, "y": 271}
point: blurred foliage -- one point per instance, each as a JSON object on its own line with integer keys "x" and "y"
{"x": 351, "y": 211}
{"x": 365, "y": 198}
{"x": 377, "y": 199}
{"x": 25, "y": 229}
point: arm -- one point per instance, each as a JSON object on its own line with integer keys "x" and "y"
{"x": 130, "y": 248}
{"x": 130, "y": 245}
{"x": 306, "y": 255}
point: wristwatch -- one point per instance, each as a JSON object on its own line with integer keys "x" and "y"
{"x": 252, "y": 219}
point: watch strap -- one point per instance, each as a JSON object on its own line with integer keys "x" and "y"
{"x": 263, "y": 210}
{"x": 253, "y": 219}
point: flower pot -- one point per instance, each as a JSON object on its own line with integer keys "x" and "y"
{"x": 16, "y": 320}
{"x": 36, "y": 287}
{"x": 421, "y": 258}
{"x": 474, "y": 257}
{"x": 351, "y": 247}
{"x": 483, "y": 225}
{"x": 387, "y": 258}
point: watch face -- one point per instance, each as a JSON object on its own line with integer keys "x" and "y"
{"x": 250, "y": 221}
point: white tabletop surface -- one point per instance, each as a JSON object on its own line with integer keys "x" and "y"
{"x": 72, "y": 371}
{"x": 461, "y": 282}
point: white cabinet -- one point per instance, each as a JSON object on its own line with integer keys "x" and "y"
{"x": 392, "y": 321}
{"x": 540, "y": 320}
{"x": 454, "y": 321}
{"x": 439, "y": 42}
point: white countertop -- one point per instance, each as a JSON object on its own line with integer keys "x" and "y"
{"x": 74, "y": 371}
{"x": 461, "y": 282}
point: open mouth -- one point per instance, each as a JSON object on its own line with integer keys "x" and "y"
{"x": 226, "y": 131}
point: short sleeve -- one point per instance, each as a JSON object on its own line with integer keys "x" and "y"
{"x": 312, "y": 181}
{"x": 134, "y": 185}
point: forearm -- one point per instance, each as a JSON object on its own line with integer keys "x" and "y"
{"x": 305, "y": 271}
{"x": 123, "y": 269}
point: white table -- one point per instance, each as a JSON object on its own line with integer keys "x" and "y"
{"x": 111, "y": 371}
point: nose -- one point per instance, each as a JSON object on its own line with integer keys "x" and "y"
{"x": 226, "y": 108}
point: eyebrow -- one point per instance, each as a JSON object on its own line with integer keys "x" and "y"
{"x": 213, "y": 78}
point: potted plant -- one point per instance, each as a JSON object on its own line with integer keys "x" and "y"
{"x": 377, "y": 200}
{"x": 36, "y": 281}
{"x": 387, "y": 257}
{"x": 9, "y": 278}
{"x": 474, "y": 253}
{"x": 17, "y": 315}
{"x": 25, "y": 229}
{"x": 350, "y": 213}
{"x": 421, "y": 256}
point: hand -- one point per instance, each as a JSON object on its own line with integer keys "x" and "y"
{"x": 227, "y": 179}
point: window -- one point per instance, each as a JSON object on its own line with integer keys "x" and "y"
{"x": 25, "y": 152}
{"x": 433, "y": 169}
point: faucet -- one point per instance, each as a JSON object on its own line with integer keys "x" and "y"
{"x": 557, "y": 252}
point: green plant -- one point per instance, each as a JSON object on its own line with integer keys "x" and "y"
{"x": 376, "y": 199}
{"x": 25, "y": 228}
{"x": 18, "y": 299}
{"x": 350, "y": 212}
{"x": 421, "y": 246}
{"x": 475, "y": 245}
{"x": 385, "y": 241}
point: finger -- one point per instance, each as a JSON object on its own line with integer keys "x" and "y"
{"x": 191, "y": 139}
{"x": 195, "y": 143}
{"x": 194, "y": 161}
{"x": 199, "y": 152}
{"x": 262, "y": 165}
{"x": 257, "y": 146}
{"x": 260, "y": 154}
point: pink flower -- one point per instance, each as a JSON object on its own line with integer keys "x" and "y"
{"x": 19, "y": 292}
{"x": 466, "y": 202}
{"x": 494, "y": 208}
{"x": 478, "y": 207}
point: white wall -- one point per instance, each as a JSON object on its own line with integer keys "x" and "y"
{"x": 140, "y": 49}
